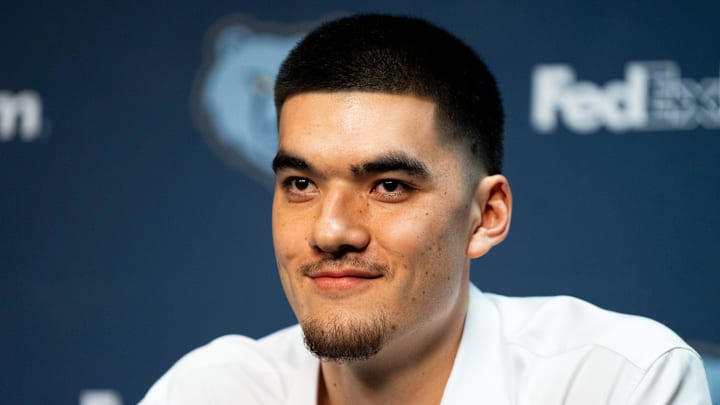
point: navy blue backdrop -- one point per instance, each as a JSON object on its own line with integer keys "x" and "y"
{"x": 134, "y": 228}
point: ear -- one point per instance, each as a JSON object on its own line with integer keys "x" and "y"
{"x": 492, "y": 209}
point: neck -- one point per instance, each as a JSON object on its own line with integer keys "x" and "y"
{"x": 412, "y": 368}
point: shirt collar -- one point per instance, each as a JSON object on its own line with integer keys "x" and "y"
{"x": 479, "y": 371}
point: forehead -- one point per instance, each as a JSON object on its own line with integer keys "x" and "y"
{"x": 359, "y": 122}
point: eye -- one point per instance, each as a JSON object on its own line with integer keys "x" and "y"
{"x": 300, "y": 183}
{"x": 389, "y": 190}
{"x": 298, "y": 189}
{"x": 389, "y": 186}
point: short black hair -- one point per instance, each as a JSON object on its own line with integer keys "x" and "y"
{"x": 402, "y": 55}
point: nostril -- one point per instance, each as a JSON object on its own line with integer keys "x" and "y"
{"x": 339, "y": 242}
{"x": 343, "y": 249}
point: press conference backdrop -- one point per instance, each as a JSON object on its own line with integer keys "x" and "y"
{"x": 135, "y": 140}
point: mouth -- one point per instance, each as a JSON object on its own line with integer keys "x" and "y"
{"x": 348, "y": 275}
{"x": 342, "y": 280}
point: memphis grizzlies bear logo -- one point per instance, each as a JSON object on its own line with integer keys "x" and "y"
{"x": 233, "y": 94}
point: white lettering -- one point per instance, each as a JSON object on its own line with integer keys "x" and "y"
{"x": 20, "y": 113}
{"x": 548, "y": 83}
{"x": 580, "y": 107}
{"x": 710, "y": 103}
{"x": 625, "y": 103}
{"x": 100, "y": 397}
{"x": 584, "y": 106}
{"x": 652, "y": 96}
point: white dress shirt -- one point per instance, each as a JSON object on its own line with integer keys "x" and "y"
{"x": 520, "y": 351}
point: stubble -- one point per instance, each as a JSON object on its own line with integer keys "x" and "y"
{"x": 345, "y": 340}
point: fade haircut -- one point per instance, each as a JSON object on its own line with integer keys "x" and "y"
{"x": 402, "y": 55}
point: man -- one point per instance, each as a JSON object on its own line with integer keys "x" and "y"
{"x": 387, "y": 184}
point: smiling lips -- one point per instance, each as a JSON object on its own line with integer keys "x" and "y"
{"x": 342, "y": 279}
{"x": 343, "y": 275}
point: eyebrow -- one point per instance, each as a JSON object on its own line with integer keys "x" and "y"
{"x": 389, "y": 162}
{"x": 284, "y": 160}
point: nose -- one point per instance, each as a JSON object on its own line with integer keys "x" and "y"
{"x": 341, "y": 225}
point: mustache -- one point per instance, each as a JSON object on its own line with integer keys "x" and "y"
{"x": 312, "y": 269}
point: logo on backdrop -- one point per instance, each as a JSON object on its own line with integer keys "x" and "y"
{"x": 20, "y": 116}
{"x": 100, "y": 397}
{"x": 233, "y": 95}
{"x": 653, "y": 96}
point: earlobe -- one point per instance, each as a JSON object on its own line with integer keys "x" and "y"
{"x": 491, "y": 215}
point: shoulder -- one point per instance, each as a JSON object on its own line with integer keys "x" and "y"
{"x": 210, "y": 374}
{"x": 549, "y": 326}
{"x": 565, "y": 348}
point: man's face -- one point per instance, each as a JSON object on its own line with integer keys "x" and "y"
{"x": 372, "y": 217}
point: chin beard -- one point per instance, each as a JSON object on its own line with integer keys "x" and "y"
{"x": 344, "y": 340}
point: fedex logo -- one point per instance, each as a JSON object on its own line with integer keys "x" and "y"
{"x": 652, "y": 96}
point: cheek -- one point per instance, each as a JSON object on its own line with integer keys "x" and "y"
{"x": 286, "y": 244}
{"x": 424, "y": 234}
{"x": 427, "y": 261}
{"x": 289, "y": 235}
{"x": 422, "y": 241}
{"x": 406, "y": 236}
{"x": 429, "y": 251}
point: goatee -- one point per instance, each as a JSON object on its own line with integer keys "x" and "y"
{"x": 344, "y": 340}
